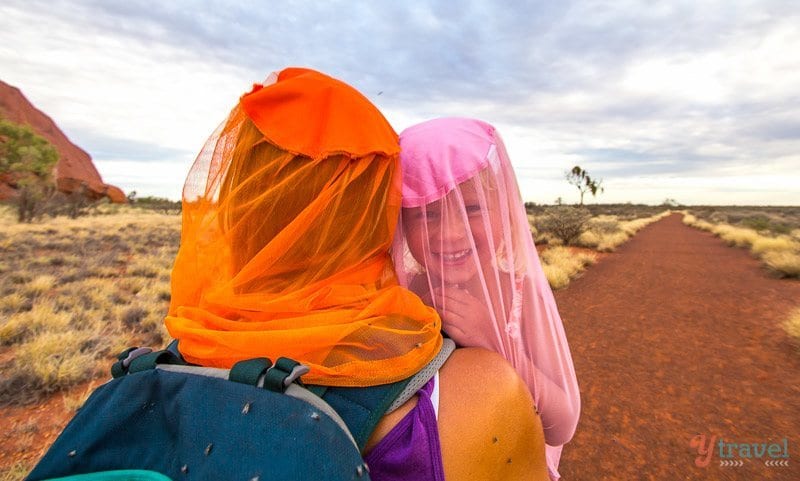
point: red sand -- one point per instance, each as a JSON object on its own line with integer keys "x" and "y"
{"x": 675, "y": 335}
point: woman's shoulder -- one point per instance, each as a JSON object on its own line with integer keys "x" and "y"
{"x": 470, "y": 364}
{"x": 488, "y": 424}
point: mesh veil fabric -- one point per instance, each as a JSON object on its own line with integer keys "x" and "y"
{"x": 288, "y": 217}
{"x": 464, "y": 245}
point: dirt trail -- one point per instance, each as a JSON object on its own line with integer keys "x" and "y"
{"x": 676, "y": 335}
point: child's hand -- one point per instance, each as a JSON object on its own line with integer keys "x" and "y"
{"x": 464, "y": 317}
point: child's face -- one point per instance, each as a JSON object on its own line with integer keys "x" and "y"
{"x": 438, "y": 235}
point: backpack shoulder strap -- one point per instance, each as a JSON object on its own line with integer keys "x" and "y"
{"x": 424, "y": 375}
{"x": 362, "y": 408}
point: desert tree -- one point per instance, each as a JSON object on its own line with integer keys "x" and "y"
{"x": 581, "y": 179}
{"x": 26, "y": 163}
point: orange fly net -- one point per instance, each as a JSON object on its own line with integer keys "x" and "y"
{"x": 289, "y": 213}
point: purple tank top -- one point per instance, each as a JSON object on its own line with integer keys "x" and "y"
{"x": 411, "y": 450}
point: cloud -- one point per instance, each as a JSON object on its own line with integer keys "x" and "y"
{"x": 111, "y": 148}
{"x": 628, "y": 89}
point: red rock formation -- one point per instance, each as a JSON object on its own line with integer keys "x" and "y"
{"x": 74, "y": 170}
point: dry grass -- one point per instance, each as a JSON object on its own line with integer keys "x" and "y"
{"x": 779, "y": 252}
{"x": 75, "y": 400}
{"x": 16, "y": 472}
{"x": 605, "y": 233}
{"x": 776, "y": 244}
{"x": 42, "y": 317}
{"x": 792, "y": 325}
{"x": 55, "y": 360}
{"x": 735, "y": 236}
{"x": 560, "y": 265}
{"x": 787, "y": 264}
{"x": 693, "y": 221}
{"x": 77, "y": 291}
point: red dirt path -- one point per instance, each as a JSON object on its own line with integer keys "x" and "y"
{"x": 672, "y": 336}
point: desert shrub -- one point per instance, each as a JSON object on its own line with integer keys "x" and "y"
{"x": 132, "y": 316}
{"x": 40, "y": 284}
{"x": 158, "y": 204}
{"x": 764, "y": 223}
{"x": 589, "y": 239}
{"x": 564, "y": 222}
{"x": 735, "y": 236}
{"x": 556, "y": 276}
{"x": 693, "y": 221}
{"x": 604, "y": 225}
{"x": 605, "y": 233}
{"x": 132, "y": 285}
{"x": 42, "y": 317}
{"x": 785, "y": 263}
{"x": 14, "y": 302}
{"x": 150, "y": 266}
{"x": 560, "y": 265}
{"x": 546, "y": 238}
{"x": 757, "y": 223}
{"x": 610, "y": 242}
{"x": 783, "y": 243}
{"x": 718, "y": 217}
{"x": 19, "y": 277}
{"x": 52, "y": 361}
{"x": 631, "y": 227}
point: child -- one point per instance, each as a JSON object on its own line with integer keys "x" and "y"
{"x": 464, "y": 245}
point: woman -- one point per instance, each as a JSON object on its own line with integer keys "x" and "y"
{"x": 465, "y": 247}
{"x": 288, "y": 217}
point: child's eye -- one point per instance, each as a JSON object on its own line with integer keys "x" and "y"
{"x": 473, "y": 209}
{"x": 413, "y": 214}
{"x": 431, "y": 215}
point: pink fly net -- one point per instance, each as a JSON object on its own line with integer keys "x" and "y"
{"x": 465, "y": 247}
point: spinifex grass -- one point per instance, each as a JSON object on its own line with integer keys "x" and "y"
{"x": 779, "y": 252}
{"x": 560, "y": 264}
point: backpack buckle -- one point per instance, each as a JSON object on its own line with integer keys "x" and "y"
{"x": 126, "y": 357}
{"x": 283, "y": 373}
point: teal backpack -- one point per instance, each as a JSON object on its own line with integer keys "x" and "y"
{"x": 162, "y": 419}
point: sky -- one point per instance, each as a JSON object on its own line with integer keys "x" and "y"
{"x": 695, "y": 101}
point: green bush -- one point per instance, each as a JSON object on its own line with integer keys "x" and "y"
{"x": 564, "y": 222}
